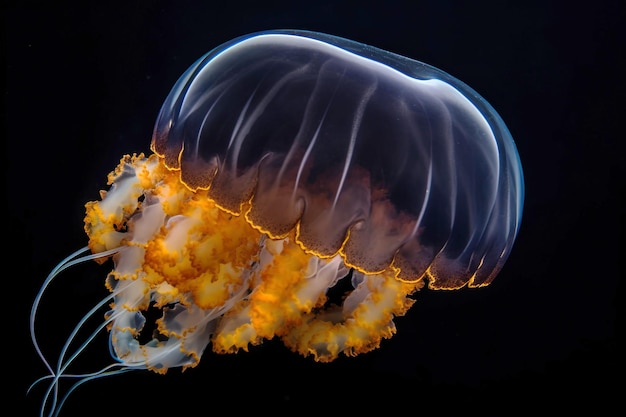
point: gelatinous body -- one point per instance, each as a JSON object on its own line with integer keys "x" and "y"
{"x": 286, "y": 161}
{"x": 338, "y": 138}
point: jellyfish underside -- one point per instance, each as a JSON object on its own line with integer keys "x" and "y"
{"x": 283, "y": 163}
{"x": 221, "y": 278}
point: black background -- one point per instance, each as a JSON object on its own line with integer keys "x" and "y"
{"x": 85, "y": 82}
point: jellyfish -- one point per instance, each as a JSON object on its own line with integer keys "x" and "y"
{"x": 283, "y": 162}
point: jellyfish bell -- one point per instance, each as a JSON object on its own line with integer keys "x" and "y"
{"x": 323, "y": 134}
{"x": 283, "y": 162}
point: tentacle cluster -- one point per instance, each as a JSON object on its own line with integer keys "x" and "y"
{"x": 218, "y": 279}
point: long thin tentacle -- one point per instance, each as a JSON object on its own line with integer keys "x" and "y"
{"x": 69, "y": 261}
